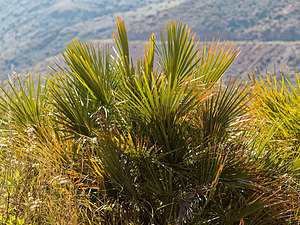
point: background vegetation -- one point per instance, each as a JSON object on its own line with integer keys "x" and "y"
{"x": 160, "y": 141}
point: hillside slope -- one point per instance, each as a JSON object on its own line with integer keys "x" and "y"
{"x": 267, "y": 20}
{"x": 31, "y": 31}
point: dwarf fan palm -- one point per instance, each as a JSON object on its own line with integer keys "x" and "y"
{"x": 169, "y": 144}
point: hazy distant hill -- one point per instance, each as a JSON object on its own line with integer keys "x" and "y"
{"x": 32, "y": 31}
{"x": 262, "y": 20}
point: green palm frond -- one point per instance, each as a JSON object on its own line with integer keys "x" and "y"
{"x": 178, "y": 55}
{"x": 92, "y": 68}
{"x": 25, "y": 104}
{"x": 74, "y": 111}
{"x": 223, "y": 113}
{"x": 83, "y": 92}
{"x": 123, "y": 59}
{"x": 215, "y": 60}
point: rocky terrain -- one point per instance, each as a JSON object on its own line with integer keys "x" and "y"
{"x": 268, "y": 32}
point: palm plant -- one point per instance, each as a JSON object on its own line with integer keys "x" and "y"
{"x": 277, "y": 103}
{"x": 179, "y": 148}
